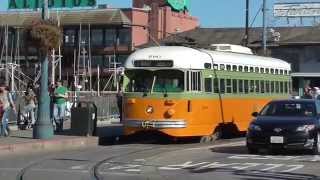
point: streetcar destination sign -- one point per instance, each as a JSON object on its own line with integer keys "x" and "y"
{"x": 34, "y": 4}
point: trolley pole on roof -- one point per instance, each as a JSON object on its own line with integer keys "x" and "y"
{"x": 264, "y": 37}
{"x": 43, "y": 127}
{"x": 246, "y": 36}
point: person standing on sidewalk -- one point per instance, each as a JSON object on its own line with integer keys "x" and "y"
{"x": 30, "y": 104}
{"x": 7, "y": 103}
{"x": 59, "y": 106}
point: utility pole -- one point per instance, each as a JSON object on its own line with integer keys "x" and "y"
{"x": 43, "y": 128}
{"x": 264, "y": 37}
{"x": 246, "y": 36}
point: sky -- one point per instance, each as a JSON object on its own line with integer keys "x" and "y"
{"x": 220, "y": 13}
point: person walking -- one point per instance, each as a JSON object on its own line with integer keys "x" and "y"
{"x": 59, "y": 106}
{"x": 7, "y": 103}
{"x": 30, "y": 104}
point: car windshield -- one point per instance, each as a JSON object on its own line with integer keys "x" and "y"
{"x": 155, "y": 81}
{"x": 306, "y": 109}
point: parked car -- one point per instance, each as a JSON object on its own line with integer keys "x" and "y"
{"x": 286, "y": 124}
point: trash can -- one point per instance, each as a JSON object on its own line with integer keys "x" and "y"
{"x": 84, "y": 119}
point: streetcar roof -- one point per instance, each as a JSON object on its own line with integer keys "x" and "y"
{"x": 190, "y": 58}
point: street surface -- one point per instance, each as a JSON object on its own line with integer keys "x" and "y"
{"x": 224, "y": 159}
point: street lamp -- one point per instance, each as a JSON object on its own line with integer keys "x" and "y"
{"x": 43, "y": 128}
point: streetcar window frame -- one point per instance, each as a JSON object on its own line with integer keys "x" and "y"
{"x": 228, "y": 67}
{"x": 234, "y": 86}
{"x": 208, "y": 84}
{"x": 228, "y": 86}
{"x": 234, "y": 68}
{"x": 222, "y": 67}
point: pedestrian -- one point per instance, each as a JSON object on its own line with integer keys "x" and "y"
{"x": 7, "y": 103}
{"x": 30, "y": 104}
{"x": 59, "y": 106}
{"x": 307, "y": 93}
{"x": 119, "y": 103}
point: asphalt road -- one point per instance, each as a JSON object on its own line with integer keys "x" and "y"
{"x": 225, "y": 159}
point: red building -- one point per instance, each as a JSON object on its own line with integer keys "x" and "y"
{"x": 160, "y": 19}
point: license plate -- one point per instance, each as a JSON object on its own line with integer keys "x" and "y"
{"x": 276, "y": 139}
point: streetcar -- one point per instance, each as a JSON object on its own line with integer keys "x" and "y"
{"x": 189, "y": 92}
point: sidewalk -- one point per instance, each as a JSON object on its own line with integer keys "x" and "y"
{"x": 21, "y": 141}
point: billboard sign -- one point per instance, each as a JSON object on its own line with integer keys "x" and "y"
{"x": 179, "y": 5}
{"x": 296, "y": 9}
{"x": 34, "y": 4}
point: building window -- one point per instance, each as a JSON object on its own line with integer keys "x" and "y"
{"x": 69, "y": 37}
{"x": 97, "y": 61}
{"x": 240, "y": 68}
{"x": 110, "y": 35}
{"x": 251, "y": 69}
{"x": 124, "y": 37}
{"x": 84, "y": 36}
{"x": 256, "y": 69}
{"x": 97, "y": 37}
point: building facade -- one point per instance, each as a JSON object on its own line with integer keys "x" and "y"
{"x": 92, "y": 37}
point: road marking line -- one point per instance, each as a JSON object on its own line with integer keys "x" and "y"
{"x": 294, "y": 167}
{"x": 246, "y": 166}
{"x": 273, "y": 166}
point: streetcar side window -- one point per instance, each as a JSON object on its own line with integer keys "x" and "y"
{"x": 195, "y": 81}
{"x": 222, "y": 67}
{"x": 256, "y": 69}
{"x": 281, "y": 87}
{"x": 246, "y": 86}
{"x": 228, "y": 86}
{"x": 267, "y": 86}
{"x": 257, "y": 86}
{"x": 246, "y": 69}
{"x": 240, "y": 86}
{"x": 272, "y": 86}
{"x": 222, "y": 86}
{"x": 277, "y": 86}
{"x": 216, "y": 85}
{"x": 234, "y": 68}
{"x": 252, "y": 86}
{"x": 228, "y": 67}
{"x": 286, "y": 87}
{"x": 208, "y": 85}
{"x": 234, "y": 86}
{"x": 262, "y": 86}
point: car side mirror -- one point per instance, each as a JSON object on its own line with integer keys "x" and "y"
{"x": 255, "y": 114}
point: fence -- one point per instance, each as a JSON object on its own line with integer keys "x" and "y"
{"x": 106, "y": 103}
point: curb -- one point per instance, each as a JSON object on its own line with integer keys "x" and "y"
{"x": 40, "y": 146}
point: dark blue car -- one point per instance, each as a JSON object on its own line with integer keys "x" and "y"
{"x": 286, "y": 124}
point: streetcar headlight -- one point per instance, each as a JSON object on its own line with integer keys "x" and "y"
{"x": 149, "y": 109}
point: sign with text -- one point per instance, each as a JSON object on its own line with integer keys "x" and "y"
{"x": 34, "y": 4}
{"x": 296, "y": 10}
{"x": 179, "y": 5}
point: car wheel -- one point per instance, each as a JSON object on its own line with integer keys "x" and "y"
{"x": 316, "y": 145}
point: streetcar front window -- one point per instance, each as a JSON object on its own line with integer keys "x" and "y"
{"x": 155, "y": 81}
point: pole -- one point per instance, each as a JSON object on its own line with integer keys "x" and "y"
{"x": 264, "y": 38}
{"x": 43, "y": 128}
{"x": 53, "y": 67}
{"x": 247, "y": 24}
{"x": 98, "y": 80}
